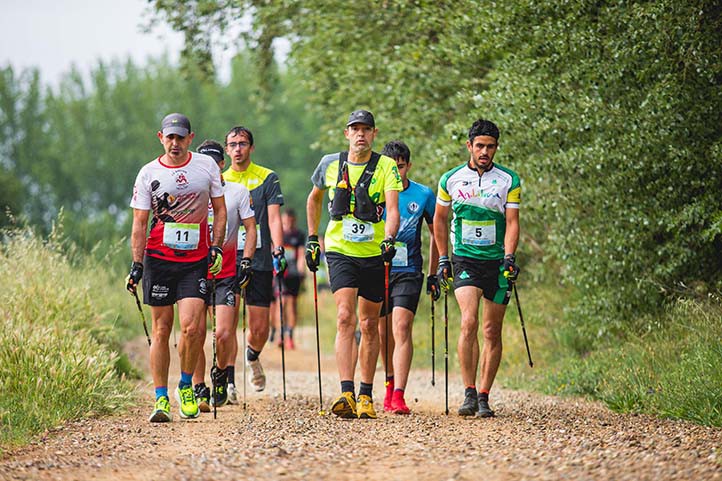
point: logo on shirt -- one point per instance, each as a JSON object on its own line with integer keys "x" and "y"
{"x": 180, "y": 179}
{"x": 413, "y": 207}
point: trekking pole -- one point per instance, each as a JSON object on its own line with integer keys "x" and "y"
{"x": 283, "y": 342}
{"x": 243, "y": 320}
{"x": 386, "y": 327}
{"x": 446, "y": 350}
{"x": 142, "y": 316}
{"x": 433, "y": 353}
{"x": 318, "y": 346}
{"x": 215, "y": 367}
{"x": 523, "y": 329}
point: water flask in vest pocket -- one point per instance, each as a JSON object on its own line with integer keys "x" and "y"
{"x": 340, "y": 205}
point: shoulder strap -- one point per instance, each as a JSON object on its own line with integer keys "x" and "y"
{"x": 342, "y": 159}
{"x": 370, "y": 168}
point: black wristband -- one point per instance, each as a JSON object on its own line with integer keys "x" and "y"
{"x": 313, "y": 238}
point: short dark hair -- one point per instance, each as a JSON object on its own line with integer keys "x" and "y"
{"x": 290, "y": 212}
{"x": 212, "y": 148}
{"x": 397, "y": 149}
{"x": 483, "y": 127}
{"x": 239, "y": 129}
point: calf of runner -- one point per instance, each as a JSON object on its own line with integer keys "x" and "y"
{"x": 416, "y": 205}
{"x": 176, "y": 255}
{"x": 361, "y": 184}
{"x": 238, "y": 207}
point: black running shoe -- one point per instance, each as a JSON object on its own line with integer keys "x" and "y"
{"x": 203, "y": 397}
{"x": 220, "y": 387}
{"x": 470, "y": 405}
{"x": 484, "y": 409}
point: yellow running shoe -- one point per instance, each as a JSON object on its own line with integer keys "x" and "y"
{"x": 187, "y": 400}
{"x": 365, "y": 408}
{"x": 345, "y": 406}
{"x": 161, "y": 411}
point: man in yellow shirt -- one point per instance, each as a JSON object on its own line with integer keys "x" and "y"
{"x": 362, "y": 185}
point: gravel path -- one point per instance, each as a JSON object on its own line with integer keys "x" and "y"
{"x": 532, "y": 437}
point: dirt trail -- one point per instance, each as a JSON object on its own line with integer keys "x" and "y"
{"x": 532, "y": 437}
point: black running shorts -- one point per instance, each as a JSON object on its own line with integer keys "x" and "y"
{"x": 363, "y": 273}
{"x": 259, "y": 292}
{"x": 486, "y": 275}
{"x": 165, "y": 282}
{"x": 225, "y": 292}
{"x": 404, "y": 290}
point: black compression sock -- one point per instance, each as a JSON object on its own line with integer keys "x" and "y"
{"x": 347, "y": 386}
{"x": 365, "y": 389}
{"x": 252, "y": 354}
{"x": 231, "y": 372}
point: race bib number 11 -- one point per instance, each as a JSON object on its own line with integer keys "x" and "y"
{"x": 182, "y": 237}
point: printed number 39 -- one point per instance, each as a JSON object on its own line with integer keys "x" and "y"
{"x": 358, "y": 228}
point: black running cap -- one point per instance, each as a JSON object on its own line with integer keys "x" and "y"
{"x": 175, "y": 124}
{"x": 212, "y": 151}
{"x": 361, "y": 117}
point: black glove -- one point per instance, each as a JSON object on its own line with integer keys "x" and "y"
{"x": 243, "y": 277}
{"x": 444, "y": 273}
{"x": 215, "y": 260}
{"x": 388, "y": 249}
{"x": 511, "y": 270}
{"x": 313, "y": 253}
{"x": 432, "y": 287}
{"x": 279, "y": 260}
{"x": 136, "y": 272}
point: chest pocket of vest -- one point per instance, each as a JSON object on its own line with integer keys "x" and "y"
{"x": 365, "y": 209}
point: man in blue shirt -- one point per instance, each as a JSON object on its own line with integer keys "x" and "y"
{"x": 416, "y": 204}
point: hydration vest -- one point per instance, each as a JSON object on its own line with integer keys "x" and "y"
{"x": 365, "y": 209}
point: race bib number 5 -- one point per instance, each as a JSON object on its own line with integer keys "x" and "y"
{"x": 182, "y": 237}
{"x": 355, "y": 230}
{"x": 478, "y": 232}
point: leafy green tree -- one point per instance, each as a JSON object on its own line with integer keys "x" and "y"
{"x": 611, "y": 112}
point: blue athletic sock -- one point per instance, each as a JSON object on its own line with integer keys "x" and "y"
{"x": 365, "y": 389}
{"x": 399, "y": 389}
{"x": 161, "y": 391}
{"x": 186, "y": 379}
{"x": 289, "y": 332}
{"x": 231, "y": 371}
{"x": 347, "y": 386}
{"x": 252, "y": 354}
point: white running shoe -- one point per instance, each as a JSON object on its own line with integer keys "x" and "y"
{"x": 258, "y": 377}
{"x": 232, "y": 394}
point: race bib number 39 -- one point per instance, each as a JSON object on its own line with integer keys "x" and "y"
{"x": 355, "y": 230}
{"x": 242, "y": 237}
{"x": 478, "y": 232}
{"x": 182, "y": 237}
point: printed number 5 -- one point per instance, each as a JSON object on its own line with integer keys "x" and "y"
{"x": 478, "y": 232}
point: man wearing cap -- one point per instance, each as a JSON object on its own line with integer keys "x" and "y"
{"x": 177, "y": 254}
{"x": 484, "y": 197}
{"x": 266, "y": 199}
{"x": 228, "y": 285}
{"x": 362, "y": 185}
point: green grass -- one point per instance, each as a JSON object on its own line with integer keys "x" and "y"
{"x": 59, "y": 336}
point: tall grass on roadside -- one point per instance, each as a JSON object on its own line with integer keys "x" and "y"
{"x": 672, "y": 371}
{"x": 56, "y": 360}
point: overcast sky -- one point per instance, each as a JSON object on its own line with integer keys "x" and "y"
{"x": 52, "y": 35}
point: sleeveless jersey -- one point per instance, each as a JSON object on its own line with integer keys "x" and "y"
{"x": 238, "y": 206}
{"x": 178, "y": 197}
{"x": 351, "y": 236}
{"x": 265, "y": 190}
{"x": 416, "y": 204}
{"x": 479, "y": 205}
